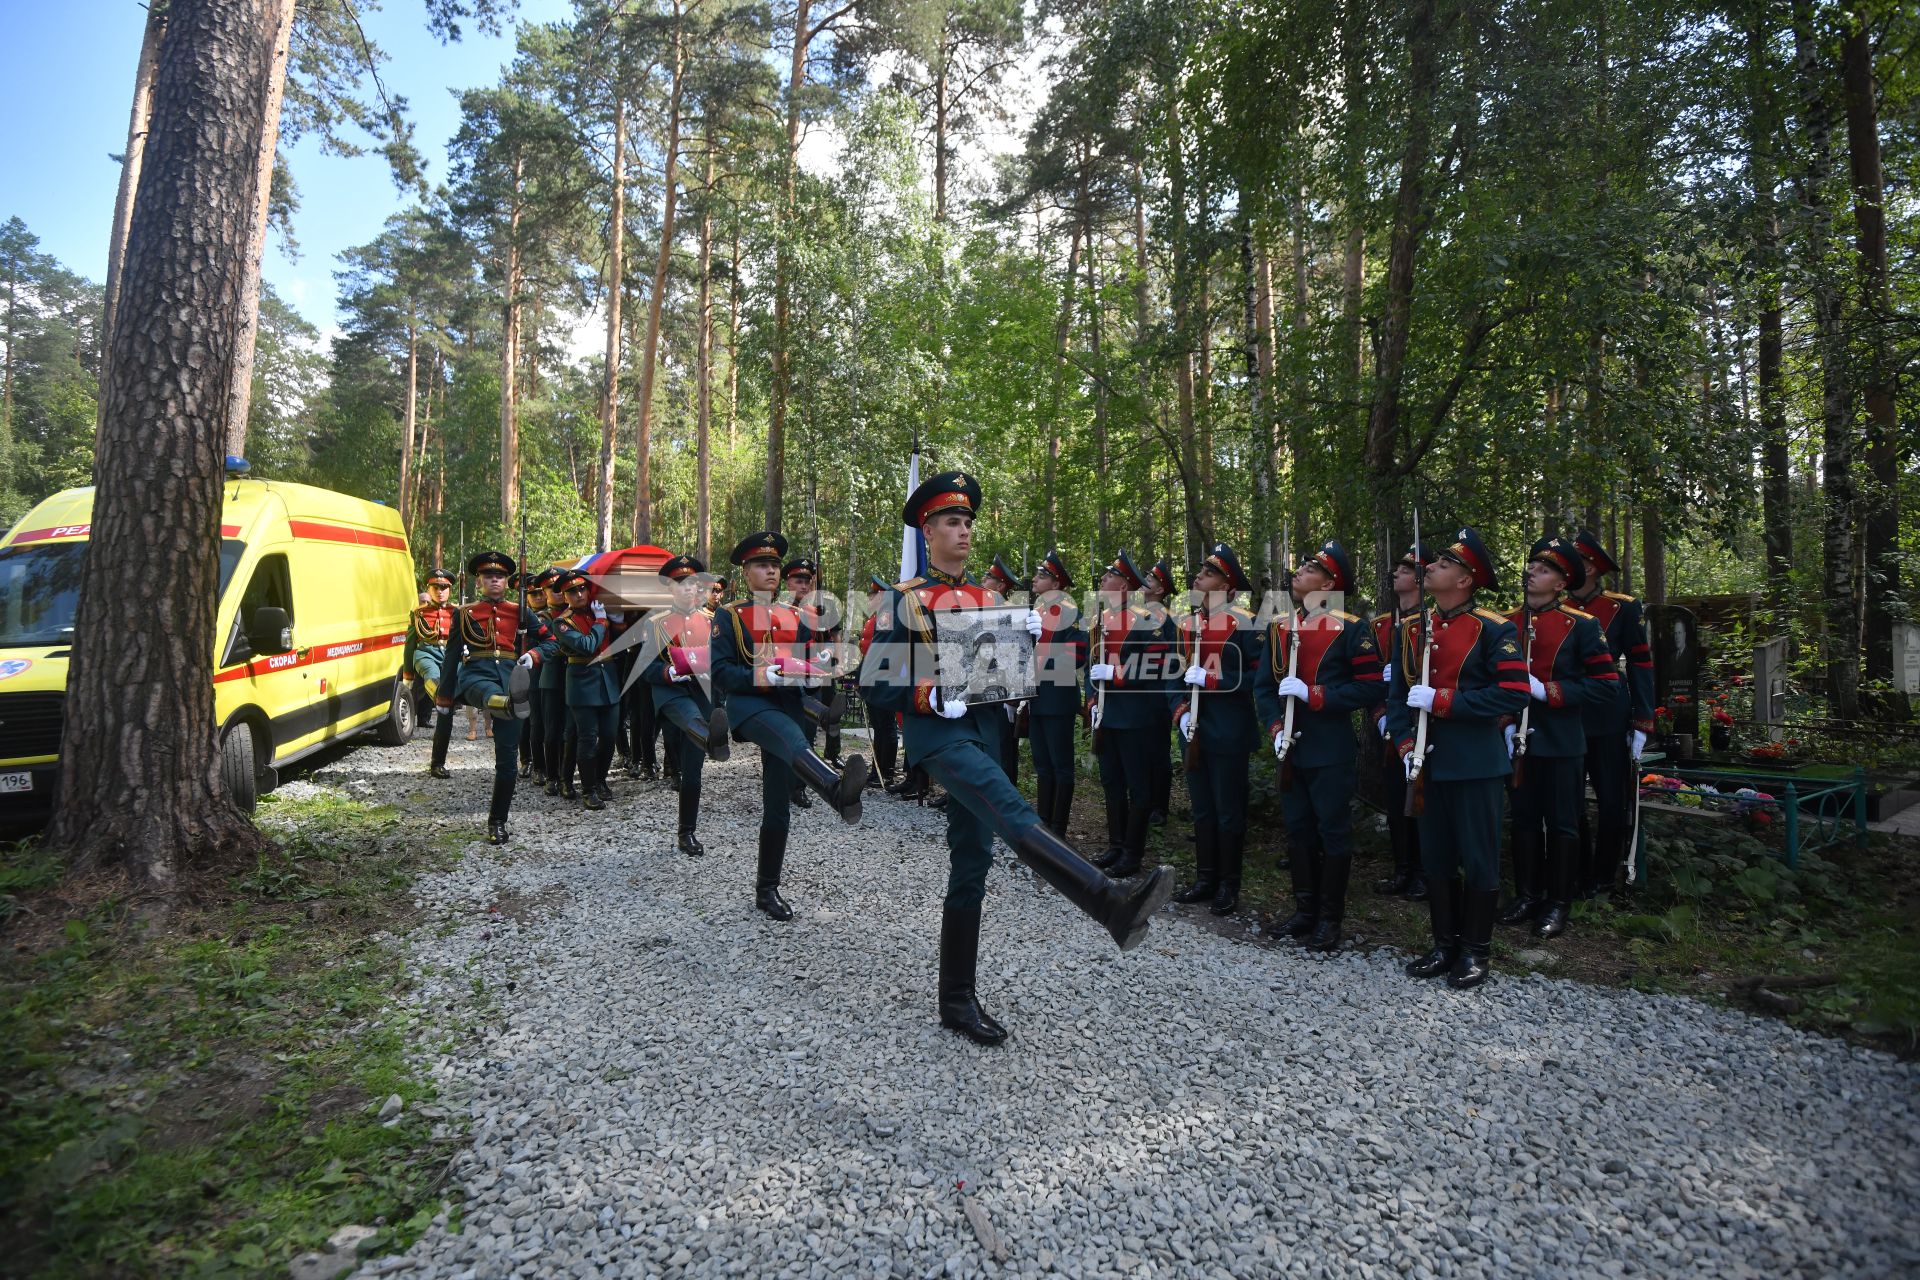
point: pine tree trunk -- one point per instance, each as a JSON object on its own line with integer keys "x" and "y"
{"x": 783, "y": 274}
{"x": 140, "y": 780}
{"x": 1062, "y": 329}
{"x": 510, "y": 364}
{"x": 649, "y": 353}
{"x": 1102, "y": 519}
{"x": 138, "y": 122}
{"x": 409, "y": 416}
{"x": 1267, "y": 432}
{"x": 1142, "y": 342}
{"x": 1776, "y": 495}
{"x": 703, "y": 359}
{"x": 616, "y": 277}
{"x": 1182, "y": 296}
{"x": 240, "y": 388}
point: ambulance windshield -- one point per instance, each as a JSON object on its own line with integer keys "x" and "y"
{"x": 40, "y": 589}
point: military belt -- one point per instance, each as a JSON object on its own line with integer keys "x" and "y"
{"x": 505, "y": 655}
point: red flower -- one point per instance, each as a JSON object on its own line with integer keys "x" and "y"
{"x": 1681, "y": 699}
{"x": 1722, "y": 716}
{"x": 1659, "y": 711}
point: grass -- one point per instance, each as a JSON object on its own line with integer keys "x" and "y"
{"x": 200, "y": 1097}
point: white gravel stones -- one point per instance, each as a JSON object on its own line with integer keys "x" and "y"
{"x": 665, "y": 1082}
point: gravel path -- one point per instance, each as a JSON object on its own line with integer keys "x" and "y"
{"x": 667, "y": 1083}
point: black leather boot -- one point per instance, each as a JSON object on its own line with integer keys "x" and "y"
{"x": 520, "y": 691}
{"x": 1609, "y": 854}
{"x": 1333, "y": 903}
{"x": 1206, "y": 874}
{"x": 1232, "y": 854}
{"x": 1443, "y": 906}
{"x": 688, "y": 842}
{"x": 1043, "y": 798}
{"x": 497, "y": 809}
{"x": 1134, "y": 852}
{"x": 1116, "y": 837}
{"x": 1397, "y": 883}
{"x": 1122, "y": 909}
{"x": 1062, "y": 808}
{"x": 568, "y": 758}
{"x": 1472, "y": 962}
{"x": 442, "y": 737}
{"x": 1525, "y": 904}
{"x": 1305, "y": 869}
{"x": 843, "y": 789}
{"x": 766, "y": 879}
{"x": 1563, "y": 856}
{"x": 711, "y": 737}
{"x": 959, "y": 956}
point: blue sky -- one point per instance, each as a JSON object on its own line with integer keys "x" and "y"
{"x": 66, "y": 74}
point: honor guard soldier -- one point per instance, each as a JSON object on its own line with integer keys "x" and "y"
{"x": 561, "y": 738}
{"x": 485, "y": 669}
{"x": 760, "y": 652}
{"x": 1127, "y": 677}
{"x": 1320, "y": 666}
{"x": 1617, "y": 726}
{"x": 802, "y": 579}
{"x": 1213, "y": 707}
{"x": 1155, "y": 592}
{"x": 593, "y": 690}
{"x": 1003, "y": 582}
{"x": 534, "y": 739}
{"x": 1059, "y": 665}
{"x": 884, "y": 725}
{"x": 1403, "y": 833}
{"x": 1475, "y": 680}
{"x": 954, "y": 743}
{"x": 676, "y": 674}
{"x": 1568, "y": 669}
{"x": 426, "y": 654}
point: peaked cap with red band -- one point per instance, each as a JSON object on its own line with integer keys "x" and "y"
{"x": 1470, "y": 552}
{"x": 765, "y": 545}
{"x": 1419, "y": 555}
{"x": 1333, "y": 558}
{"x": 439, "y": 575}
{"x": 1222, "y": 560}
{"x": 1162, "y": 576}
{"x": 1562, "y": 555}
{"x": 682, "y": 567}
{"x": 1000, "y": 570}
{"x": 1052, "y": 564}
{"x": 948, "y": 491}
{"x": 1129, "y": 571}
{"x": 490, "y": 562}
{"x": 1587, "y": 543}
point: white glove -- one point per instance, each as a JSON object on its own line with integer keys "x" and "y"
{"x": 1406, "y": 763}
{"x": 1186, "y": 726}
{"x": 1196, "y": 676}
{"x": 1386, "y": 674}
{"x": 1381, "y": 724}
{"x": 1012, "y": 713}
{"x": 950, "y": 708}
{"x": 779, "y": 679}
{"x": 1538, "y": 690}
{"x": 1100, "y": 671}
{"x": 1279, "y": 740}
{"x": 599, "y": 611}
{"x": 1295, "y": 687}
{"x": 678, "y": 677}
{"x": 1636, "y": 742}
{"x": 1093, "y": 715}
{"x": 1511, "y": 732}
{"x": 527, "y": 660}
{"x": 1420, "y": 697}
{"x": 1034, "y": 626}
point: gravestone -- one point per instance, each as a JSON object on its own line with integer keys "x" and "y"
{"x": 1674, "y": 634}
{"x": 1770, "y": 682}
{"x": 1906, "y": 657}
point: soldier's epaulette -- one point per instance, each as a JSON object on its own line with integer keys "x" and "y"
{"x": 1572, "y": 612}
{"x": 1386, "y": 616}
{"x": 1343, "y": 615}
{"x": 1240, "y": 616}
{"x": 910, "y": 584}
{"x": 1621, "y": 596}
{"x": 1488, "y": 615}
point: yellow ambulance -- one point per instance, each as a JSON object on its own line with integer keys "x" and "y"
{"x": 315, "y": 592}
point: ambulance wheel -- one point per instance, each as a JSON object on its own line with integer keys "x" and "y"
{"x": 238, "y": 767}
{"x": 397, "y": 729}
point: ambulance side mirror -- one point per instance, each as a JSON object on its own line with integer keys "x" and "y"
{"x": 270, "y": 630}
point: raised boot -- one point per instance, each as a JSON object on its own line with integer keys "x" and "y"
{"x": 520, "y": 691}
{"x": 1472, "y": 962}
{"x": 1232, "y": 853}
{"x": 843, "y": 789}
{"x": 711, "y": 737}
{"x": 959, "y": 956}
{"x": 1134, "y": 852}
{"x": 1333, "y": 903}
{"x": 1206, "y": 872}
{"x": 766, "y": 878}
{"x": 688, "y": 842}
{"x": 1304, "y": 866}
{"x": 1443, "y": 906}
{"x": 1122, "y": 909}
{"x": 1525, "y": 904}
{"x": 1563, "y": 854}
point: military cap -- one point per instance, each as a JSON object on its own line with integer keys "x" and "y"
{"x": 1055, "y": 565}
{"x": 682, "y": 567}
{"x": 1469, "y": 551}
{"x": 1128, "y": 569}
{"x": 765, "y": 545}
{"x": 948, "y": 491}
{"x": 1587, "y": 543}
{"x": 439, "y": 575}
{"x": 490, "y": 562}
{"x": 800, "y": 565}
{"x": 1162, "y": 576}
{"x": 1222, "y": 559}
{"x": 1000, "y": 570}
{"x": 1419, "y": 556}
{"x": 1562, "y": 555}
{"x": 1333, "y": 558}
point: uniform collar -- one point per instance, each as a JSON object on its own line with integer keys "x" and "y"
{"x": 1549, "y": 607}
{"x": 1577, "y": 598}
{"x": 961, "y": 579}
{"x": 1465, "y": 607}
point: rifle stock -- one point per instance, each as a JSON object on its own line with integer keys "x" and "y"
{"x": 1193, "y": 699}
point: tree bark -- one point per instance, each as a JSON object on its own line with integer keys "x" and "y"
{"x": 643, "y": 445}
{"x": 1142, "y": 341}
{"x": 1776, "y": 495}
{"x": 140, "y": 786}
{"x": 616, "y": 282}
{"x": 783, "y": 273}
{"x": 240, "y": 388}
{"x": 510, "y": 361}
{"x": 1062, "y": 329}
{"x": 703, "y": 414}
{"x": 409, "y": 416}
{"x": 1653, "y": 554}
{"x": 1102, "y": 519}
{"x": 1266, "y": 432}
{"x": 1252, "y": 342}
{"x": 138, "y": 122}
{"x": 1179, "y": 240}
{"x": 1882, "y": 505}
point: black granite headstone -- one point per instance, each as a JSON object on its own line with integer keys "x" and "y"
{"x": 1674, "y": 634}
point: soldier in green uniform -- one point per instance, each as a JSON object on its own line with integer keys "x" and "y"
{"x": 1213, "y": 707}
{"x": 1322, "y": 660}
{"x": 1460, "y": 672}
{"x": 1568, "y": 670}
{"x": 1128, "y": 670}
{"x": 955, "y": 744}
{"x": 761, "y": 659}
{"x": 1059, "y": 665}
{"x": 561, "y": 737}
{"x": 593, "y": 689}
{"x": 676, "y": 652}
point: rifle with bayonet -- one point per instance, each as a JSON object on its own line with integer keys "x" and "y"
{"x": 1417, "y": 775}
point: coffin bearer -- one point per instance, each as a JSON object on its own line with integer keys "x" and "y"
{"x": 1323, "y": 661}
{"x": 1617, "y": 726}
{"x": 885, "y": 725}
{"x": 593, "y": 688}
{"x": 426, "y": 653}
{"x": 560, "y": 738}
{"x": 1002, "y": 581}
{"x": 676, "y": 676}
{"x": 1156, "y": 593}
{"x": 1059, "y": 663}
{"x": 1129, "y": 663}
{"x": 952, "y": 742}
{"x": 1476, "y": 681}
{"x": 1403, "y": 833}
{"x": 759, "y": 660}
{"x": 1568, "y": 669}
{"x": 484, "y": 670}
{"x": 1213, "y": 708}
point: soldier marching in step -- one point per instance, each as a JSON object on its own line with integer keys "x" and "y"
{"x": 676, "y": 676}
{"x": 425, "y": 658}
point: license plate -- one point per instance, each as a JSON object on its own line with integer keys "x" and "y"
{"x": 10, "y": 782}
